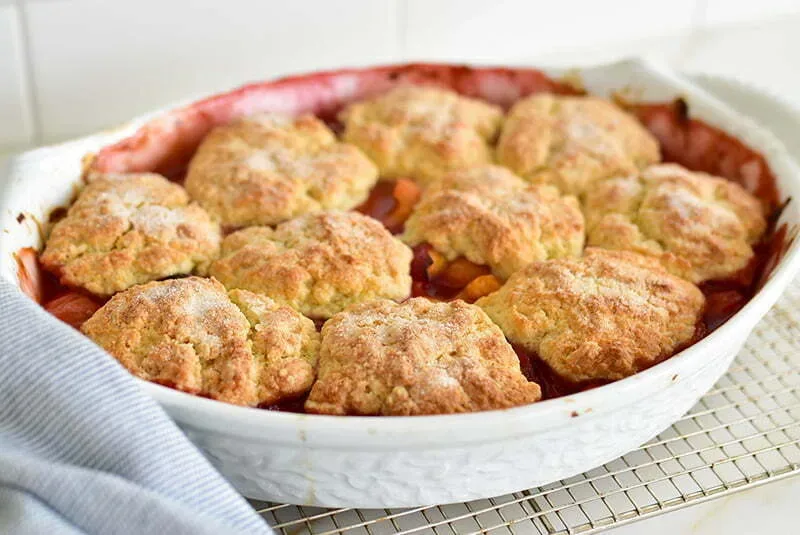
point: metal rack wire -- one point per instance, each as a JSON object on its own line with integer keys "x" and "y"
{"x": 743, "y": 433}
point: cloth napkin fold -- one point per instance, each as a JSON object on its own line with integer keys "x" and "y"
{"x": 83, "y": 450}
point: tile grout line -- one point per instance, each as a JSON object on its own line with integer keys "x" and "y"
{"x": 28, "y": 77}
{"x": 697, "y": 26}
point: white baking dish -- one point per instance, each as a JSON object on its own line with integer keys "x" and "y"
{"x": 410, "y": 461}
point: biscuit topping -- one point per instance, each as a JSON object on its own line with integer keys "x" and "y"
{"x": 265, "y": 169}
{"x": 570, "y": 142}
{"x": 700, "y": 227}
{"x": 192, "y": 335}
{"x": 129, "y": 229}
{"x": 318, "y": 263}
{"x": 494, "y": 218}
{"x": 422, "y": 132}
{"x": 417, "y": 357}
{"x": 606, "y": 315}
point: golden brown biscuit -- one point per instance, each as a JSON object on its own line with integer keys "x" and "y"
{"x": 422, "y": 132}
{"x": 192, "y": 335}
{"x": 129, "y": 229}
{"x": 570, "y": 142}
{"x": 606, "y": 315}
{"x": 416, "y": 357}
{"x": 318, "y": 263}
{"x": 265, "y": 169}
{"x": 494, "y": 218}
{"x": 699, "y": 226}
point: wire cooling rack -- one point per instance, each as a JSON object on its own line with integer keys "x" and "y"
{"x": 742, "y": 433}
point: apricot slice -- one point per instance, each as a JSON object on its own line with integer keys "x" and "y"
{"x": 479, "y": 287}
{"x": 72, "y": 308}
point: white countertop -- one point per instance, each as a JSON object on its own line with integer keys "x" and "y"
{"x": 764, "y": 53}
{"x": 768, "y": 509}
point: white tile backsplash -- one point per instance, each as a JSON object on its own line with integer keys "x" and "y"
{"x": 732, "y": 11}
{"x": 16, "y": 128}
{"x": 94, "y": 63}
{"x": 764, "y": 55}
{"x": 99, "y": 62}
{"x": 671, "y": 50}
{"x": 512, "y": 29}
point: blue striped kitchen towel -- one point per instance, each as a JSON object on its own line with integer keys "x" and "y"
{"x": 83, "y": 450}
